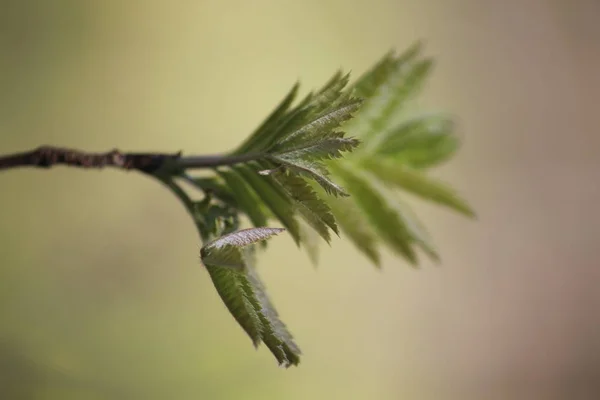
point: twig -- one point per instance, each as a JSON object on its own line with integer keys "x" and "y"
{"x": 48, "y": 156}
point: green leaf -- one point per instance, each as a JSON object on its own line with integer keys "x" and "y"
{"x": 422, "y": 141}
{"x": 248, "y": 201}
{"x": 267, "y": 129}
{"x": 417, "y": 182}
{"x": 275, "y": 334}
{"x": 330, "y": 92}
{"x": 329, "y": 147}
{"x": 276, "y": 200}
{"x": 235, "y": 291}
{"x": 314, "y": 210}
{"x": 378, "y": 209}
{"x": 415, "y": 228}
{"x": 312, "y": 170}
{"x": 389, "y": 89}
{"x": 426, "y": 152}
{"x": 310, "y": 241}
{"x": 356, "y": 226}
{"x": 319, "y": 127}
{"x": 404, "y": 84}
{"x": 366, "y": 86}
{"x": 234, "y": 276}
{"x": 214, "y": 187}
{"x": 225, "y": 250}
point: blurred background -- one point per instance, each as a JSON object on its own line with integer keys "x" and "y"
{"x": 102, "y": 295}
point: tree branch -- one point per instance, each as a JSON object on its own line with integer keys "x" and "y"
{"x": 48, "y": 156}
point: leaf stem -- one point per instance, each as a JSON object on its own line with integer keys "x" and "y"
{"x": 212, "y": 161}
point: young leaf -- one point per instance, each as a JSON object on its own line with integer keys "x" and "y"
{"x": 216, "y": 188}
{"x": 246, "y": 298}
{"x": 268, "y": 127}
{"x": 275, "y": 334}
{"x": 420, "y": 142}
{"x": 319, "y": 127}
{"x": 327, "y": 148}
{"x": 377, "y": 208}
{"x": 225, "y": 251}
{"x": 231, "y": 270}
{"x": 366, "y": 86}
{"x": 418, "y": 183}
{"x": 353, "y": 223}
{"x": 395, "y": 84}
{"x": 415, "y": 228}
{"x": 310, "y": 241}
{"x": 314, "y": 210}
{"x": 425, "y": 152}
{"x": 248, "y": 201}
{"x": 330, "y": 92}
{"x": 233, "y": 288}
{"x": 312, "y": 170}
{"x": 281, "y": 205}
{"x": 405, "y": 83}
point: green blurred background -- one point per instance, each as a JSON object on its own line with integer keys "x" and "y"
{"x": 102, "y": 294}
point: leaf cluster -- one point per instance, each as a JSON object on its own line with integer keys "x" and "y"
{"x": 399, "y": 150}
{"x": 296, "y": 168}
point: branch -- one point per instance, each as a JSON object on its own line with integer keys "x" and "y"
{"x": 48, "y": 156}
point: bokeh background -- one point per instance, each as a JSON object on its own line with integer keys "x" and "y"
{"x": 102, "y": 295}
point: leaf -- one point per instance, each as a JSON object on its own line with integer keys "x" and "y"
{"x": 267, "y": 128}
{"x": 313, "y": 170}
{"x": 420, "y": 142}
{"x": 225, "y": 251}
{"x": 389, "y": 89}
{"x": 325, "y": 148}
{"x": 366, "y": 86}
{"x": 281, "y": 205}
{"x": 319, "y": 127}
{"x": 378, "y": 209}
{"x": 248, "y": 201}
{"x": 417, "y": 182}
{"x": 244, "y": 295}
{"x": 426, "y": 152}
{"x": 231, "y": 270}
{"x": 415, "y": 228}
{"x": 356, "y": 226}
{"x": 330, "y": 92}
{"x": 275, "y": 334}
{"x": 216, "y": 188}
{"x": 403, "y": 84}
{"x": 310, "y": 241}
{"x": 234, "y": 289}
{"x": 314, "y": 210}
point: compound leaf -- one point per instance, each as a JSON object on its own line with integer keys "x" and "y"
{"x": 419, "y": 183}
{"x": 230, "y": 267}
{"x": 420, "y": 142}
{"x": 315, "y": 211}
{"x": 378, "y": 209}
{"x": 356, "y": 226}
{"x": 280, "y": 205}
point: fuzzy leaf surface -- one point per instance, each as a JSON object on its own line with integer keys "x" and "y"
{"x": 313, "y": 209}
{"x": 230, "y": 267}
{"x": 280, "y": 205}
